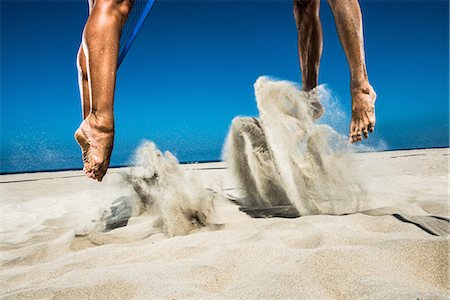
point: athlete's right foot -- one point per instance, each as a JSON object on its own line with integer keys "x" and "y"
{"x": 96, "y": 137}
{"x": 363, "y": 112}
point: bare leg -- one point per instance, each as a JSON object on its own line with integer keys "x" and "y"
{"x": 83, "y": 85}
{"x": 83, "y": 82}
{"x": 100, "y": 45}
{"x": 348, "y": 18}
{"x": 310, "y": 40}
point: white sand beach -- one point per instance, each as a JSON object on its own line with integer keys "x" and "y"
{"x": 310, "y": 257}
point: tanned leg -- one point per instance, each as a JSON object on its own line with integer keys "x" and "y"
{"x": 83, "y": 82}
{"x": 310, "y": 41}
{"x": 100, "y": 46}
{"x": 348, "y": 18}
{"x": 83, "y": 85}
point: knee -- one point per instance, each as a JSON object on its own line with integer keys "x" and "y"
{"x": 114, "y": 8}
{"x": 306, "y": 8}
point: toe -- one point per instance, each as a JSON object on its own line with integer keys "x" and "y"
{"x": 352, "y": 134}
{"x": 86, "y": 169}
{"x": 89, "y": 171}
{"x": 97, "y": 176}
{"x": 366, "y": 132}
{"x": 359, "y": 134}
{"x": 103, "y": 173}
{"x": 100, "y": 178}
{"x": 351, "y": 138}
{"x": 95, "y": 169}
{"x": 99, "y": 173}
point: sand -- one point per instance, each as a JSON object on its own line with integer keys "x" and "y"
{"x": 283, "y": 156}
{"x": 310, "y": 257}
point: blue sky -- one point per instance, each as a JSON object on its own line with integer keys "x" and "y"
{"x": 192, "y": 68}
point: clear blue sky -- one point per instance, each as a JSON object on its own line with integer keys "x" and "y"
{"x": 192, "y": 68}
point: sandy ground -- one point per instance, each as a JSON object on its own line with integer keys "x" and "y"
{"x": 313, "y": 257}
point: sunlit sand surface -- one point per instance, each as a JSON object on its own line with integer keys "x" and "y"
{"x": 315, "y": 257}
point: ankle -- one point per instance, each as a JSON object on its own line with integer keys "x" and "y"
{"x": 357, "y": 87}
{"x": 102, "y": 121}
{"x": 308, "y": 86}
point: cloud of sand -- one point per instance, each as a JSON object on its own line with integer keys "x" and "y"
{"x": 284, "y": 157}
{"x": 166, "y": 200}
{"x": 180, "y": 201}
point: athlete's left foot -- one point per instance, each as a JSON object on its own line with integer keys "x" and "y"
{"x": 363, "y": 112}
{"x": 95, "y": 137}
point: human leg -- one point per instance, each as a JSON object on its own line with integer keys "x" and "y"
{"x": 100, "y": 46}
{"x": 310, "y": 40}
{"x": 348, "y": 19}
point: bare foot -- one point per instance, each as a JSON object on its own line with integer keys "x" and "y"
{"x": 363, "y": 113}
{"x": 95, "y": 137}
